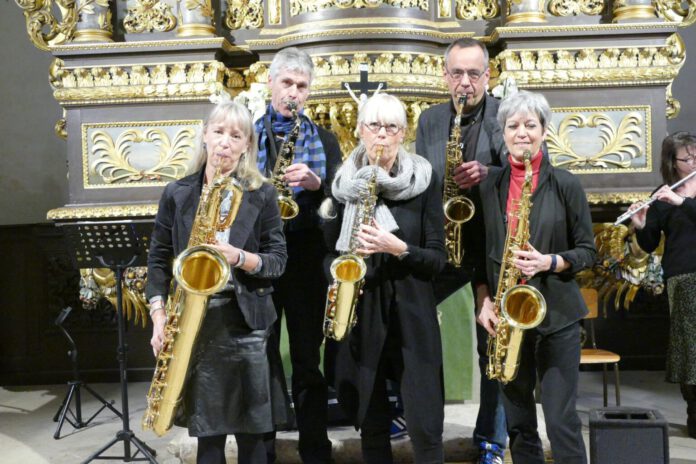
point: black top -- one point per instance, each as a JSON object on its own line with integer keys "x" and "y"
{"x": 679, "y": 225}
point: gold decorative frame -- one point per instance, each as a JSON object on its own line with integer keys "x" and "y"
{"x": 111, "y": 161}
{"x": 618, "y": 143}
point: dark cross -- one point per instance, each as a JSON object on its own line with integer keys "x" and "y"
{"x": 364, "y": 85}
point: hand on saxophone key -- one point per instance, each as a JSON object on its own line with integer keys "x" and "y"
{"x": 530, "y": 261}
{"x": 486, "y": 317}
{"x": 159, "y": 318}
{"x": 374, "y": 239}
{"x": 299, "y": 175}
{"x": 471, "y": 173}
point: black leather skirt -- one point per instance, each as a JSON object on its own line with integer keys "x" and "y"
{"x": 235, "y": 382}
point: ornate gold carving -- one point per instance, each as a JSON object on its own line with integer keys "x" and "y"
{"x": 444, "y": 8}
{"x": 243, "y": 13}
{"x": 274, "y": 12}
{"x": 98, "y": 283}
{"x": 477, "y": 9}
{"x": 673, "y": 105}
{"x": 68, "y": 213}
{"x": 633, "y": 9}
{"x": 40, "y": 15}
{"x": 311, "y": 6}
{"x": 165, "y": 80}
{"x": 204, "y": 7}
{"x": 676, "y": 11}
{"x": 60, "y": 128}
{"x": 375, "y": 21}
{"x": 148, "y": 16}
{"x": 591, "y": 67}
{"x": 576, "y": 7}
{"x": 113, "y": 161}
{"x": 616, "y": 198}
{"x": 619, "y": 144}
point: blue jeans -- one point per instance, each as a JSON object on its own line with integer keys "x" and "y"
{"x": 490, "y": 423}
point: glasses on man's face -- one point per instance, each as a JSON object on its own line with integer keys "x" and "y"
{"x": 390, "y": 129}
{"x": 473, "y": 74}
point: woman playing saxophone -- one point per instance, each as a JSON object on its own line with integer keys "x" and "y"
{"x": 560, "y": 244}
{"x": 397, "y": 335}
{"x": 234, "y": 384}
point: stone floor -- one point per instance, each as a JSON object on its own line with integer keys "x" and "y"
{"x": 26, "y": 426}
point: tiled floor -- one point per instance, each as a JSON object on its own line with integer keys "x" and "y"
{"x": 26, "y": 426}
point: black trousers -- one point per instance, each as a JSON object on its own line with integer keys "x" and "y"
{"x": 300, "y": 294}
{"x": 556, "y": 357}
{"x": 252, "y": 448}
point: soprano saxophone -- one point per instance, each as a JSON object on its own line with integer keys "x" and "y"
{"x": 519, "y": 307}
{"x": 348, "y": 270}
{"x": 288, "y": 207}
{"x": 199, "y": 271}
{"x": 458, "y": 208}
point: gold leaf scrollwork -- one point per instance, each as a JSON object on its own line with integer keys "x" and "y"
{"x": 312, "y": 6}
{"x": 204, "y": 7}
{"x": 244, "y": 13}
{"x": 678, "y": 11}
{"x": 673, "y": 106}
{"x": 477, "y": 9}
{"x": 43, "y": 27}
{"x": 149, "y": 16}
{"x": 113, "y": 161}
{"x": 619, "y": 146}
{"x": 576, "y": 7}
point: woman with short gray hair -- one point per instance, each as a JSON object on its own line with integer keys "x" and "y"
{"x": 560, "y": 244}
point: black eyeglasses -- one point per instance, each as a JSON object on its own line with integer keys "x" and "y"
{"x": 390, "y": 129}
{"x": 473, "y": 74}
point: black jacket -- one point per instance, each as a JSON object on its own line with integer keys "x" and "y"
{"x": 560, "y": 223}
{"x": 257, "y": 229}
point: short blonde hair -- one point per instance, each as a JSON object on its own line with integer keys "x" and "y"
{"x": 237, "y": 115}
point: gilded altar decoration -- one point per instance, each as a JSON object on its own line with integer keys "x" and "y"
{"x": 633, "y": 9}
{"x": 678, "y": 11}
{"x": 70, "y": 213}
{"x": 576, "y": 7}
{"x": 195, "y": 19}
{"x": 312, "y": 6}
{"x": 149, "y": 16}
{"x": 138, "y": 155}
{"x": 176, "y": 81}
{"x": 244, "y": 14}
{"x": 476, "y": 9}
{"x": 622, "y": 268}
{"x": 98, "y": 283}
{"x": 525, "y": 11}
{"x": 94, "y": 21}
{"x": 444, "y": 8}
{"x": 622, "y": 145}
{"x": 49, "y": 22}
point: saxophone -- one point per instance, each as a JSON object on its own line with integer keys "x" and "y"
{"x": 288, "y": 207}
{"x": 348, "y": 270}
{"x": 458, "y": 208}
{"x": 199, "y": 271}
{"x": 519, "y": 306}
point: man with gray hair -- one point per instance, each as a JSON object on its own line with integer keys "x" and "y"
{"x": 301, "y": 292}
{"x": 466, "y": 74}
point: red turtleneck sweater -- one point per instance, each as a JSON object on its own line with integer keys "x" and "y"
{"x": 516, "y": 181}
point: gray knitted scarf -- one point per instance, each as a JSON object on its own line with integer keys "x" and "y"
{"x": 412, "y": 177}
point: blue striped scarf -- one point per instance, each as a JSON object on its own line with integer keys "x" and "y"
{"x": 308, "y": 148}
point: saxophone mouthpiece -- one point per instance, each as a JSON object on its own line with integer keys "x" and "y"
{"x": 291, "y": 104}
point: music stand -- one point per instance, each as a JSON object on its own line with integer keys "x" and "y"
{"x": 116, "y": 245}
{"x": 64, "y": 413}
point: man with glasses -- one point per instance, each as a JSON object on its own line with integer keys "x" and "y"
{"x": 301, "y": 291}
{"x": 466, "y": 73}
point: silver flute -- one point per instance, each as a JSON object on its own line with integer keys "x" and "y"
{"x": 628, "y": 214}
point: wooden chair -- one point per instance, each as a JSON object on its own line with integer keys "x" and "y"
{"x": 594, "y": 355}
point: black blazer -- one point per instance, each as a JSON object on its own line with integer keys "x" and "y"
{"x": 405, "y": 285}
{"x": 560, "y": 223}
{"x": 257, "y": 229}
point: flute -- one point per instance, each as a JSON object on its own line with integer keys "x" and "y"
{"x": 628, "y": 214}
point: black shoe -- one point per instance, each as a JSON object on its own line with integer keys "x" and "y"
{"x": 691, "y": 425}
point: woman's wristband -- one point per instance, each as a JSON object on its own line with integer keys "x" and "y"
{"x": 554, "y": 263}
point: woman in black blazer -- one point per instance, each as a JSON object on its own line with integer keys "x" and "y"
{"x": 234, "y": 384}
{"x": 560, "y": 244}
{"x": 397, "y": 335}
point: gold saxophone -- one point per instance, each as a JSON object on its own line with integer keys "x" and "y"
{"x": 348, "y": 270}
{"x": 519, "y": 307}
{"x": 288, "y": 207}
{"x": 199, "y": 271}
{"x": 458, "y": 208}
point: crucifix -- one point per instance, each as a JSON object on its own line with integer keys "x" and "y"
{"x": 364, "y": 86}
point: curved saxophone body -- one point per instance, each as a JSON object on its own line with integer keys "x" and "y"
{"x": 348, "y": 270}
{"x": 519, "y": 307}
{"x": 199, "y": 271}
{"x": 288, "y": 207}
{"x": 458, "y": 208}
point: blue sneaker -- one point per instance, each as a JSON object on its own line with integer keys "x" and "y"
{"x": 398, "y": 428}
{"x": 490, "y": 453}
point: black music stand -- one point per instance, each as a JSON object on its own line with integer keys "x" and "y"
{"x": 116, "y": 245}
{"x": 65, "y": 413}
